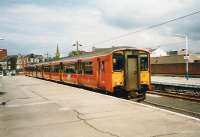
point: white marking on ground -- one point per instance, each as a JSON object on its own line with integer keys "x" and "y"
{"x": 164, "y": 110}
{"x": 65, "y": 109}
{"x": 30, "y": 104}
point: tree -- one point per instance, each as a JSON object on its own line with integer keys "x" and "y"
{"x": 74, "y": 53}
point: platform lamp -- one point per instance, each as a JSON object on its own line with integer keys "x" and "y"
{"x": 186, "y": 57}
{"x": 77, "y": 45}
{"x": 1, "y": 38}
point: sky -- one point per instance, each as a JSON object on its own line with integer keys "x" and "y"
{"x": 37, "y": 26}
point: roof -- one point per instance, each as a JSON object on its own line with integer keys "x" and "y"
{"x": 34, "y": 56}
{"x": 106, "y": 51}
{"x": 101, "y": 52}
{"x": 173, "y": 59}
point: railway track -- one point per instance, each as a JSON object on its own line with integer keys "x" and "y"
{"x": 174, "y": 109}
{"x": 175, "y": 95}
{"x": 192, "y": 94}
{"x": 189, "y": 93}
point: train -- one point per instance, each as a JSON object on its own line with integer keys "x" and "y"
{"x": 117, "y": 71}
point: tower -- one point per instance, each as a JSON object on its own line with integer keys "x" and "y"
{"x": 57, "y": 53}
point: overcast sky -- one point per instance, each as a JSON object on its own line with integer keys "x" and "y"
{"x": 36, "y": 26}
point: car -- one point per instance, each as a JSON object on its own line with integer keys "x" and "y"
{"x": 1, "y": 73}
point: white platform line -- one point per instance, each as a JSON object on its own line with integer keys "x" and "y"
{"x": 168, "y": 111}
{"x": 29, "y": 104}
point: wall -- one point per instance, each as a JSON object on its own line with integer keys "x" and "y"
{"x": 175, "y": 69}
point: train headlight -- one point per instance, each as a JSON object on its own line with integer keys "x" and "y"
{"x": 118, "y": 83}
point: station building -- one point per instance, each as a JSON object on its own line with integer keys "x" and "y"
{"x": 174, "y": 64}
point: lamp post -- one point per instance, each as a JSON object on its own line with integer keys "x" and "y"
{"x": 77, "y": 45}
{"x": 186, "y": 57}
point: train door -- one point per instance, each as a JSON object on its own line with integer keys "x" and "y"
{"x": 101, "y": 73}
{"x": 79, "y": 71}
{"x": 132, "y": 73}
{"x": 61, "y": 71}
{"x": 42, "y": 71}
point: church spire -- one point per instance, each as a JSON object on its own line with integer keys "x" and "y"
{"x": 57, "y": 53}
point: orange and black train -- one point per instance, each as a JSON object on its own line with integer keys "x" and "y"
{"x": 116, "y": 71}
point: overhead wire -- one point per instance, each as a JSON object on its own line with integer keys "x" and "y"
{"x": 146, "y": 28}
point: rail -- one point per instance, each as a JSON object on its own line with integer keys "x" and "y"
{"x": 183, "y": 92}
{"x": 174, "y": 109}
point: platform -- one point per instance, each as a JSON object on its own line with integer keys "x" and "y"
{"x": 38, "y": 108}
{"x": 176, "y": 81}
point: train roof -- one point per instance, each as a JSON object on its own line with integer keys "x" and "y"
{"x": 103, "y": 52}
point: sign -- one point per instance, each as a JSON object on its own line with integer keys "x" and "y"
{"x": 186, "y": 57}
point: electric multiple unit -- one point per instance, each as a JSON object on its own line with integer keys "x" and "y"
{"x": 118, "y": 71}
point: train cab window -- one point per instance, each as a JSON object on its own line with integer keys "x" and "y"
{"x": 144, "y": 62}
{"x": 87, "y": 68}
{"x": 69, "y": 68}
{"x": 118, "y": 62}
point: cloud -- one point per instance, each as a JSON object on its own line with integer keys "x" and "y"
{"x": 37, "y": 26}
{"x": 140, "y": 13}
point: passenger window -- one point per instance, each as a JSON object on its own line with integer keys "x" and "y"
{"x": 118, "y": 62}
{"x": 69, "y": 68}
{"x": 46, "y": 69}
{"x": 56, "y": 68}
{"x": 87, "y": 68}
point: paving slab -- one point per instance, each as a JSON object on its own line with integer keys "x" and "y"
{"x": 39, "y": 108}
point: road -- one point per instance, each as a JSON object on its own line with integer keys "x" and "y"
{"x": 38, "y": 108}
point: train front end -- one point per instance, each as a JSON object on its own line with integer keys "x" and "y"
{"x": 131, "y": 73}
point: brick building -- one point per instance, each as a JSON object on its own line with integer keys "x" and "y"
{"x": 3, "y": 53}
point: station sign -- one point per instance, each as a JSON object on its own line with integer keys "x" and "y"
{"x": 186, "y": 57}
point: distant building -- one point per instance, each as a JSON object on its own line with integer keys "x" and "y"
{"x": 32, "y": 59}
{"x": 174, "y": 59}
{"x": 158, "y": 52}
{"x": 8, "y": 65}
{"x": 57, "y": 53}
{"x": 21, "y": 62}
{"x": 24, "y": 60}
{"x": 174, "y": 64}
{"x": 3, "y": 54}
{"x": 16, "y": 63}
{"x": 3, "y": 65}
{"x": 11, "y": 62}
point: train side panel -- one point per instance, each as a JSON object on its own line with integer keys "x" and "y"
{"x": 104, "y": 73}
{"x": 87, "y": 76}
